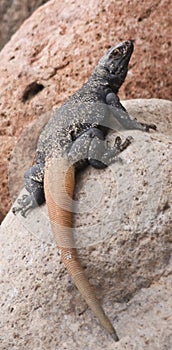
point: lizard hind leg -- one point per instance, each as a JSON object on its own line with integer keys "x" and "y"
{"x": 33, "y": 179}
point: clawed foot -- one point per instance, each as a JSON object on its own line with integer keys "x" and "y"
{"x": 149, "y": 126}
{"x": 24, "y": 204}
{"x": 121, "y": 146}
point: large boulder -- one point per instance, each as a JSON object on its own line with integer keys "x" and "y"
{"x": 123, "y": 234}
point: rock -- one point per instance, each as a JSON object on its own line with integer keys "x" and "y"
{"x": 12, "y": 15}
{"x": 56, "y": 49}
{"x": 123, "y": 234}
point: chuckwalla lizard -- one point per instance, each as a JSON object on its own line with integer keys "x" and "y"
{"x": 73, "y": 138}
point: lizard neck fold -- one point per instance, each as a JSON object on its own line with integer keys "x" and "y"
{"x": 99, "y": 86}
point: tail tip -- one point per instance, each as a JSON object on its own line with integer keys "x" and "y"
{"x": 115, "y": 336}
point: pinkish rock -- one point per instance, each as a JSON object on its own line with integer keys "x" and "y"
{"x": 56, "y": 49}
{"x": 12, "y": 15}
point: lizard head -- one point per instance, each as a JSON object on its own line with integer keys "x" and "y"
{"x": 113, "y": 66}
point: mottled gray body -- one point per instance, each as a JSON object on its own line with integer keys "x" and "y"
{"x": 95, "y": 105}
{"x": 77, "y": 130}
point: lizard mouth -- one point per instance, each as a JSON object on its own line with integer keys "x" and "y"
{"x": 122, "y": 50}
{"x": 127, "y": 50}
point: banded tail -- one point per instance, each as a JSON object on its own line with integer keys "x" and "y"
{"x": 59, "y": 183}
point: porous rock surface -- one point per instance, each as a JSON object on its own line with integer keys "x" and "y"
{"x": 123, "y": 233}
{"x": 56, "y": 49}
{"x": 12, "y": 15}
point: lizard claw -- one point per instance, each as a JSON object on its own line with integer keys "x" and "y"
{"x": 121, "y": 146}
{"x": 130, "y": 139}
{"x": 118, "y": 141}
{"x": 25, "y": 203}
{"x": 126, "y": 143}
{"x": 149, "y": 126}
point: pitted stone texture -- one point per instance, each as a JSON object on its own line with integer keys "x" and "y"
{"x": 12, "y": 15}
{"x": 124, "y": 235}
{"x": 56, "y": 49}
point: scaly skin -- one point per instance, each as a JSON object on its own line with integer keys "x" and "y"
{"x": 73, "y": 138}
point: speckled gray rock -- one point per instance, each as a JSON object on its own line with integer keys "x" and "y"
{"x": 123, "y": 233}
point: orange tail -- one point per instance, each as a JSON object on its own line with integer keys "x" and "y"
{"x": 59, "y": 183}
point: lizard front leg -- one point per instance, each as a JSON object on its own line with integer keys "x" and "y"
{"x": 121, "y": 114}
{"x": 33, "y": 180}
{"x": 90, "y": 147}
{"x": 101, "y": 155}
{"x": 78, "y": 151}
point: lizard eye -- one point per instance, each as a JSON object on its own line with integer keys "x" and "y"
{"x": 118, "y": 53}
{"x": 115, "y": 54}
